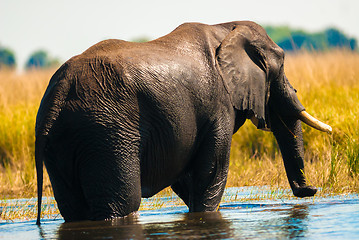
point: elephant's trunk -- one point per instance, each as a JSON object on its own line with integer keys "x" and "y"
{"x": 313, "y": 122}
{"x": 288, "y": 133}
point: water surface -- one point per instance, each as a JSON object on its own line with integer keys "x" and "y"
{"x": 238, "y": 217}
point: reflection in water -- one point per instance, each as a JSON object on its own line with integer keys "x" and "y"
{"x": 189, "y": 225}
{"x": 288, "y": 223}
{"x": 295, "y": 224}
{"x": 208, "y": 225}
{"x": 122, "y": 228}
{"x": 263, "y": 221}
{"x": 270, "y": 221}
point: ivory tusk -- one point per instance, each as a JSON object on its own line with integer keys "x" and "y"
{"x": 314, "y": 123}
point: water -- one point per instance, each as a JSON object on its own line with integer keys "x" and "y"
{"x": 239, "y": 217}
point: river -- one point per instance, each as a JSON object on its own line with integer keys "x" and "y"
{"x": 245, "y": 213}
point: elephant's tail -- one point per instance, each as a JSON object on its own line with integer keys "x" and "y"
{"x": 49, "y": 110}
{"x": 39, "y": 159}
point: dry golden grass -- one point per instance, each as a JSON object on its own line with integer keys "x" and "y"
{"x": 327, "y": 84}
{"x": 20, "y": 96}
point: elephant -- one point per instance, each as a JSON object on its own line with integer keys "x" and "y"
{"x": 125, "y": 120}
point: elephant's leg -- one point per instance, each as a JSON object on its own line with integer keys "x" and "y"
{"x": 210, "y": 171}
{"x": 183, "y": 188}
{"x": 110, "y": 179}
{"x": 67, "y": 192}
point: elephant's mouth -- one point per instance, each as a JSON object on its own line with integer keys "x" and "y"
{"x": 307, "y": 119}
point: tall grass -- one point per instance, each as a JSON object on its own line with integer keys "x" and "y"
{"x": 327, "y": 84}
{"x": 20, "y": 95}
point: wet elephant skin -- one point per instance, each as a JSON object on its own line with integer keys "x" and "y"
{"x": 125, "y": 120}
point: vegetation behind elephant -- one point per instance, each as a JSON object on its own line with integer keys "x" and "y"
{"x": 124, "y": 120}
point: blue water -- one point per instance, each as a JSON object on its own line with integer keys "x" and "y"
{"x": 239, "y": 217}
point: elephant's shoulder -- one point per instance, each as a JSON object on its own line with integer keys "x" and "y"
{"x": 191, "y": 29}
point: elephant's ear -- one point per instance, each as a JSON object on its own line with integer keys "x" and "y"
{"x": 242, "y": 64}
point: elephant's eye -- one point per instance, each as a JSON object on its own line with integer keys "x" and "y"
{"x": 276, "y": 72}
{"x": 281, "y": 68}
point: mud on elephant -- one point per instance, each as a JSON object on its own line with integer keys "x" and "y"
{"x": 124, "y": 120}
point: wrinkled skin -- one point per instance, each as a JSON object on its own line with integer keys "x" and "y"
{"x": 124, "y": 120}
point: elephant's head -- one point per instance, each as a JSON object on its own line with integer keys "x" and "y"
{"x": 251, "y": 65}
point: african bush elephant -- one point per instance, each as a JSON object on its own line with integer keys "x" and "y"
{"x": 125, "y": 120}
